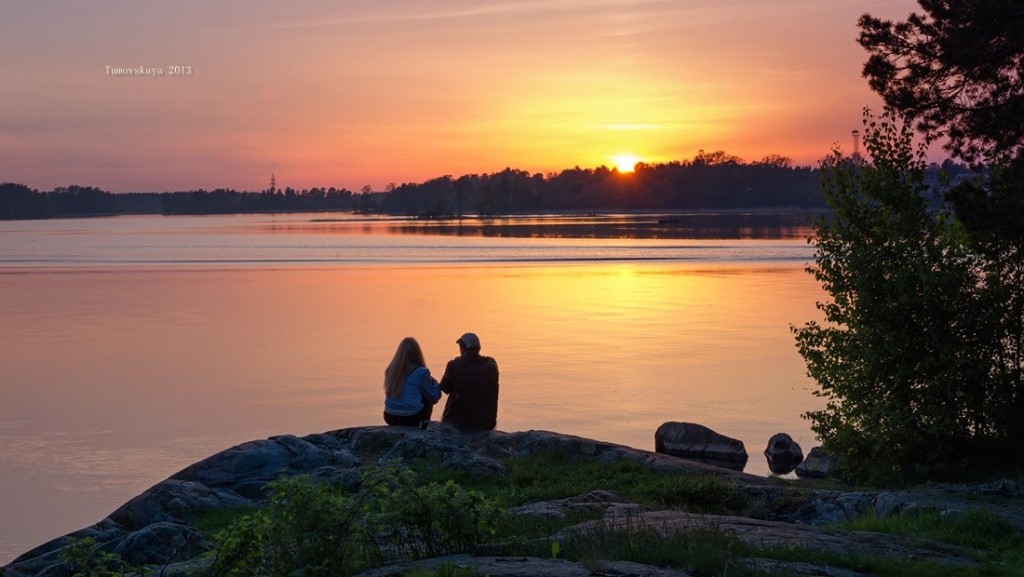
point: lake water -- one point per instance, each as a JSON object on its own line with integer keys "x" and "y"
{"x": 133, "y": 346}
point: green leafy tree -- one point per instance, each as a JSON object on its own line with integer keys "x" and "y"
{"x": 902, "y": 357}
{"x": 957, "y": 69}
{"x": 991, "y": 209}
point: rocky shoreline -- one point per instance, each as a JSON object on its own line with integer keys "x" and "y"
{"x": 157, "y": 527}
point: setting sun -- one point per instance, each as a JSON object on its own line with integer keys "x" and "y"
{"x": 625, "y": 162}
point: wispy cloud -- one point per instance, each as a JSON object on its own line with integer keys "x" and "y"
{"x": 416, "y": 14}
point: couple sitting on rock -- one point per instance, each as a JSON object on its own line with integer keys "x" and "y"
{"x": 470, "y": 380}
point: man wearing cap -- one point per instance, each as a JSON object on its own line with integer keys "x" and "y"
{"x": 471, "y": 382}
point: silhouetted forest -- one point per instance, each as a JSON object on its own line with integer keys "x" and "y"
{"x": 718, "y": 182}
{"x": 710, "y": 181}
{"x": 18, "y": 201}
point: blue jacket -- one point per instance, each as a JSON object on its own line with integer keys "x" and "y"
{"x": 419, "y": 387}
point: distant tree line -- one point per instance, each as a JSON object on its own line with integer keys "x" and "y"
{"x": 18, "y": 201}
{"x": 714, "y": 180}
{"x": 227, "y": 201}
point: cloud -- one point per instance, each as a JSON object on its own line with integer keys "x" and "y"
{"x": 535, "y": 9}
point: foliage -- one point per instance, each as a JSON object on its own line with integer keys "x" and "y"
{"x": 904, "y": 358}
{"x": 981, "y": 529}
{"x": 705, "y": 494}
{"x": 304, "y": 527}
{"x": 887, "y": 565}
{"x": 992, "y": 540}
{"x": 992, "y": 213}
{"x": 404, "y": 514}
{"x": 301, "y": 513}
{"x": 211, "y": 521}
{"x": 428, "y": 520}
{"x": 317, "y": 529}
{"x": 957, "y": 69}
{"x": 84, "y": 559}
{"x": 239, "y": 549}
{"x": 443, "y": 570}
{"x": 546, "y": 476}
{"x": 710, "y": 551}
{"x": 705, "y": 551}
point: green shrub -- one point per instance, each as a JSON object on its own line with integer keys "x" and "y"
{"x": 904, "y": 358}
{"x": 305, "y": 528}
{"x": 426, "y": 520}
{"x": 84, "y": 559}
{"x": 239, "y": 548}
{"x": 315, "y": 529}
{"x": 213, "y": 520}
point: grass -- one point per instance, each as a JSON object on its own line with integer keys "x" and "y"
{"x": 871, "y": 565}
{"x": 995, "y": 544}
{"x": 703, "y": 551}
{"x": 1004, "y": 565}
{"x": 999, "y": 548}
{"x": 551, "y": 475}
{"x": 442, "y": 570}
{"x": 979, "y": 529}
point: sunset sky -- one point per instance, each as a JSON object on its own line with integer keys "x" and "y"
{"x": 354, "y": 93}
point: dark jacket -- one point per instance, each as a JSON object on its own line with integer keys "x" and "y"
{"x": 471, "y": 382}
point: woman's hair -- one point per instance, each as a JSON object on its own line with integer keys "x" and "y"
{"x": 408, "y": 356}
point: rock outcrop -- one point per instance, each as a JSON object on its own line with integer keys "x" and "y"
{"x": 237, "y": 477}
{"x": 818, "y": 465}
{"x": 528, "y": 567}
{"x": 777, "y": 534}
{"x": 157, "y": 527}
{"x": 692, "y": 441}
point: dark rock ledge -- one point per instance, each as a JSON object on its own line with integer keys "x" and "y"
{"x": 156, "y": 526}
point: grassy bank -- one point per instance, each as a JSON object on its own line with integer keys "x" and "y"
{"x": 423, "y": 498}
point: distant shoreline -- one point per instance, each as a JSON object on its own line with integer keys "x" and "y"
{"x": 752, "y": 211}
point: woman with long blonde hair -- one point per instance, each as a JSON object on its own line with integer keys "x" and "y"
{"x": 410, "y": 393}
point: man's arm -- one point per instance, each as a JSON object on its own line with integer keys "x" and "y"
{"x": 447, "y": 384}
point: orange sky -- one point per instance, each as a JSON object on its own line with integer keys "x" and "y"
{"x": 344, "y": 94}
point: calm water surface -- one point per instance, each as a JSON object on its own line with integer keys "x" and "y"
{"x": 131, "y": 347}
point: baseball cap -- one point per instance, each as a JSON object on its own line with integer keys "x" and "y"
{"x": 470, "y": 341}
